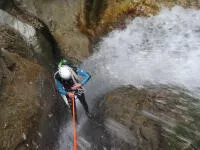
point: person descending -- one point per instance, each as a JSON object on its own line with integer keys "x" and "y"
{"x": 69, "y": 85}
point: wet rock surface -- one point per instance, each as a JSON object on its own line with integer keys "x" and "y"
{"x": 111, "y": 14}
{"x": 31, "y": 112}
{"x": 25, "y": 100}
{"x": 60, "y": 17}
{"x": 30, "y": 43}
{"x": 19, "y": 99}
{"x": 156, "y": 117}
{"x": 10, "y": 41}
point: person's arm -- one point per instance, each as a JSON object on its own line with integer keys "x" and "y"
{"x": 60, "y": 87}
{"x": 84, "y": 74}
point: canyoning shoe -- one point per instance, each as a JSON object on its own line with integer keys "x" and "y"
{"x": 89, "y": 115}
{"x": 77, "y": 122}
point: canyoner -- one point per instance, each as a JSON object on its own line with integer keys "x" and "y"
{"x": 70, "y": 86}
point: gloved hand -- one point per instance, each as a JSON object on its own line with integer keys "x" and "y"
{"x": 70, "y": 94}
{"x": 76, "y": 86}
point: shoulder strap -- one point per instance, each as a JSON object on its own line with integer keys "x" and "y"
{"x": 55, "y": 75}
{"x": 75, "y": 77}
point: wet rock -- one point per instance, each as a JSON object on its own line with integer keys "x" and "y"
{"x": 111, "y": 14}
{"x": 157, "y": 117}
{"x": 39, "y": 134}
{"x": 59, "y": 16}
{"x": 4, "y": 3}
{"x": 22, "y": 38}
{"x": 19, "y": 113}
{"x": 184, "y": 3}
{"x": 8, "y": 59}
{"x": 22, "y": 85}
{"x": 24, "y": 136}
{"x": 50, "y": 115}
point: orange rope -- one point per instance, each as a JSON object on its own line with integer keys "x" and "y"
{"x": 74, "y": 123}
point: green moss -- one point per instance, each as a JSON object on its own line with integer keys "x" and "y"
{"x": 196, "y": 143}
{"x": 188, "y": 97}
{"x": 181, "y": 130}
{"x": 195, "y": 114}
{"x": 174, "y": 143}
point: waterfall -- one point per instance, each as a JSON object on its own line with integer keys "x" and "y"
{"x": 161, "y": 49}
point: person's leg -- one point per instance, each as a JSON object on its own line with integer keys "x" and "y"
{"x": 69, "y": 104}
{"x": 65, "y": 99}
{"x": 84, "y": 103}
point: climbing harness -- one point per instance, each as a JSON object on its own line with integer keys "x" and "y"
{"x": 76, "y": 79}
{"x": 80, "y": 91}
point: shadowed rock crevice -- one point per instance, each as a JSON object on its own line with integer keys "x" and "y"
{"x": 23, "y": 103}
{"x": 91, "y": 12}
{"x": 60, "y": 18}
{"x": 41, "y": 28}
{"x": 33, "y": 112}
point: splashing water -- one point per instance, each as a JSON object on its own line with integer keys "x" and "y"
{"x": 162, "y": 49}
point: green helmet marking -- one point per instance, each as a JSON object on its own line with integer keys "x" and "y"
{"x": 61, "y": 62}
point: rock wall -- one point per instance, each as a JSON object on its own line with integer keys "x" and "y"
{"x": 60, "y": 17}
{"x": 19, "y": 100}
{"x": 101, "y": 17}
{"x": 25, "y": 56}
{"x": 30, "y": 110}
{"x": 37, "y": 47}
{"x": 156, "y": 118}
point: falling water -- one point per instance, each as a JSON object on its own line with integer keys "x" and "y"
{"x": 162, "y": 49}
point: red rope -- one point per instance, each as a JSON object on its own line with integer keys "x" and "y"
{"x": 74, "y": 123}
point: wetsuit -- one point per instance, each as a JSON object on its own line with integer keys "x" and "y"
{"x": 64, "y": 86}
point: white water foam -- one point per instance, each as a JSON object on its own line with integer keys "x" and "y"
{"x": 162, "y": 49}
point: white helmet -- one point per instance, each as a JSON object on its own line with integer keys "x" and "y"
{"x": 65, "y": 72}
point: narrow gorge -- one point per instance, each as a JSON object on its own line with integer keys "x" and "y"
{"x": 143, "y": 57}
